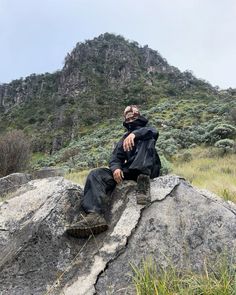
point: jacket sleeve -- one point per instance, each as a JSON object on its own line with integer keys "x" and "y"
{"x": 118, "y": 157}
{"x": 145, "y": 133}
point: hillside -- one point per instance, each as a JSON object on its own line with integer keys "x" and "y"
{"x": 77, "y": 110}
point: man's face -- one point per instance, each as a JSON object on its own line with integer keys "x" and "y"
{"x": 131, "y": 113}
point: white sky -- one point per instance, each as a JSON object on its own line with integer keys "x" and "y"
{"x": 197, "y": 35}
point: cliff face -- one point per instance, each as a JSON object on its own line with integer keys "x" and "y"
{"x": 99, "y": 78}
{"x": 24, "y": 90}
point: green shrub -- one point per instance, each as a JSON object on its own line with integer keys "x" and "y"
{"x": 168, "y": 146}
{"x": 225, "y": 145}
{"x": 233, "y": 115}
{"x": 165, "y": 166}
{"x": 221, "y": 131}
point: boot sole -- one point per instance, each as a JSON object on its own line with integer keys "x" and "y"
{"x": 143, "y": 200}
{"x": 87, "y": 231}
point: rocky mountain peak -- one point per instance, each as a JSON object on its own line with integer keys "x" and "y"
{"x": 112, "y": 58}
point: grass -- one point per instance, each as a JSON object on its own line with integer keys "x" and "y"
{"x": 216, "y": 174}
{"x": 37, "y": 156}
{"x": 149, "y": 280}
{"x": 78, "y": 177}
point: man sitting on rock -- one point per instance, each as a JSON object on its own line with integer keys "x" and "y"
{"x": 134, "y": 158}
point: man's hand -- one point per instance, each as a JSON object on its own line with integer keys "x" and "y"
{"x": 118, "y": 175}
{"x": 128, "y": 143}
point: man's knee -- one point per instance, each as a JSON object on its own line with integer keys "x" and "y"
{"x": 100, "y": 173}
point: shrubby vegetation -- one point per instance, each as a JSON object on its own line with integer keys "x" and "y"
{"x": 226, "y": 145}
{"x": 221, "y": 131}
{"x": 94, "y": 147}
{"x": 166, "y": 166}
{"x": 14, "y": 152}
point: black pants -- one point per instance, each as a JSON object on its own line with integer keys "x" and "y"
{"x": 100, "y": 182}
{"x": 99, "y": 185}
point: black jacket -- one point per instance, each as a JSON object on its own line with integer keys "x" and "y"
{"x": 143, "y": 156}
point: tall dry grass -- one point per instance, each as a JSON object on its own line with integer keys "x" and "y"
{"x": 214, "y": 173}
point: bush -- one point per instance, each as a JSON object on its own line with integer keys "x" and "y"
{"x": 226, "y": 145}
{"x": 165, "y": 166}
{"x": 69, "y": 153}
{"x": 233, "y": 115}
{"x": 185, "y": 157}
{"x": 222, "y": 131}
{"x": 168, "y": 146}
{"x": 14, "y": 152}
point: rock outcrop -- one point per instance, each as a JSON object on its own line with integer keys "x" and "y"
{"x": 182, "y": 226}
{"x": 12, "y": 182}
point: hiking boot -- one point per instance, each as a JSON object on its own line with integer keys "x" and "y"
{"x": 143, "y": 190}
{"x": 92, "y": 224}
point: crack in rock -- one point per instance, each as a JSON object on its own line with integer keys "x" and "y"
{"x": 113, "y": 244}
{"x": 117, "y": 240}
{"x": 161, "y": 187}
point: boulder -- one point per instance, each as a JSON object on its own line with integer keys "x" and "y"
{"x": 182, "y": 226}
{"x": 12, "y": 182}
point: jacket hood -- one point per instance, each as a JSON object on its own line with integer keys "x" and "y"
{"x": 136, "y": 124}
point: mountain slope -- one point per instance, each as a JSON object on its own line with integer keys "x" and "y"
{"x": 99, "y": 78}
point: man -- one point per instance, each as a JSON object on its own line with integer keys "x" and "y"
{"x": 134, "y": 158}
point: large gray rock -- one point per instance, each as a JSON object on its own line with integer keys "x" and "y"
{"x": 182, "y": 226}
{"x": 12, "y": 182}
{"x": 185, "y": 230}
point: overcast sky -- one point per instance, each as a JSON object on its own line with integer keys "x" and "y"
{"x": 196, "y": 35}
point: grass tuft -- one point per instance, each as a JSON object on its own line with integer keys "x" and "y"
{"x": 149, "y": 280}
